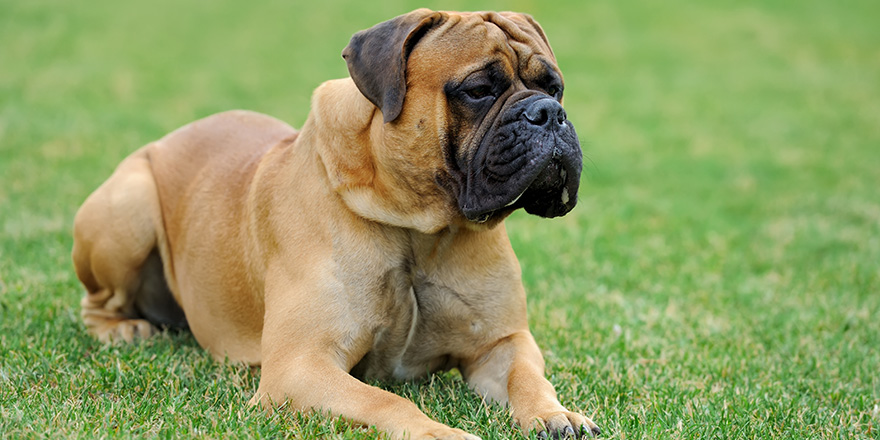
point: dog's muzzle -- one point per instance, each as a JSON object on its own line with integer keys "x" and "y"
{"x": 530, "y": 158}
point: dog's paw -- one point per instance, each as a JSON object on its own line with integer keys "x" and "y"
{"x": 564, "y": 425}
{"x": 445, "y": 433}
{"x": 123, "y": 330}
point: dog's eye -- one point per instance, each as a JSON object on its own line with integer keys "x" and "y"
{"x": 479, "y": 92}
{"x": 554, "y": 91}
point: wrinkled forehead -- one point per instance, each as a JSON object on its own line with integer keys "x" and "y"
{"x": 475, "y": 39}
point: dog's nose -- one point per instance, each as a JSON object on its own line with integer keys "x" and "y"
{"x": 545, "y": 112}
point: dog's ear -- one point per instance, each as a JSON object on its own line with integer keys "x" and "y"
{"x": 377, "y": 57}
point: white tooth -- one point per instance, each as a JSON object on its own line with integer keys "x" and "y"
{"x": 564, "y": 195}
{"x": 562, "y": 174}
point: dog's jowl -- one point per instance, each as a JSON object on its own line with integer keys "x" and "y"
{"x": 368, "y": 244}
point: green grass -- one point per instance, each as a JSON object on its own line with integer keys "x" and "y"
{"x": 720, "y": 277}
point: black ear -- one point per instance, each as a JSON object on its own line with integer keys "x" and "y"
{"x": 377, "y": 57}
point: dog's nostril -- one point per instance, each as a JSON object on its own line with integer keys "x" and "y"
{"x": 543, "y": 111}
{"x": 536, "y": 115}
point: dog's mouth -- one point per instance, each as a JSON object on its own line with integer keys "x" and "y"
{"x": 550, "y": 194}
{"x": 530, "y": 159}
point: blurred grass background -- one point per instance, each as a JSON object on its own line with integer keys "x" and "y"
{"x": 720, "y": 277}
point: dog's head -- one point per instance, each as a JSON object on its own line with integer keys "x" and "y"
{"x": 471, "y": 114}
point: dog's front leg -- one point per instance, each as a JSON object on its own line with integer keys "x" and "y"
{"x": 307, "y": 353}
{"x": 311, "y": 382}
{"x": 512, "y": 372}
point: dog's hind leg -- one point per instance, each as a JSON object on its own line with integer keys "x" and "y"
{"x": 116, "y": 235}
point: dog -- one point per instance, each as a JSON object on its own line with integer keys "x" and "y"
{"x": 368, "y": 245}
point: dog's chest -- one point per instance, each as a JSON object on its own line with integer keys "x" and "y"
{"x": 429, "y": 329}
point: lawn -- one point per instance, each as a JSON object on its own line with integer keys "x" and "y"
{"x": 720, "y": 277}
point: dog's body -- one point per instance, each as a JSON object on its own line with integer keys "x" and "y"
{"x": 368, "y": 245}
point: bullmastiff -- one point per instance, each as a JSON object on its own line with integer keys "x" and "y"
{"x": 369, "y": 244}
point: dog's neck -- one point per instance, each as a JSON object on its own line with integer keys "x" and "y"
{"x": 370, "y": 184}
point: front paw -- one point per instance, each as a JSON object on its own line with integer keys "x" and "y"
{"x": 562, "y": 425}
{"x": 444, "y": 433}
